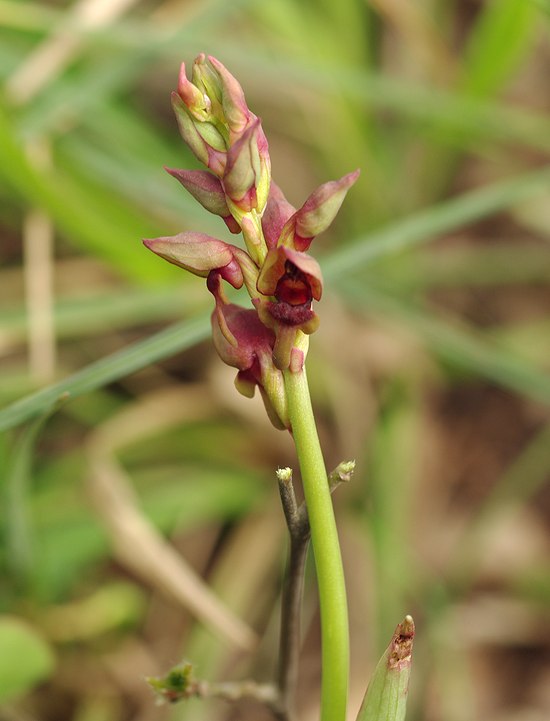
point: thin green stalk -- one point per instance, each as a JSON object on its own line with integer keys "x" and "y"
{"x": 326, "y": 548}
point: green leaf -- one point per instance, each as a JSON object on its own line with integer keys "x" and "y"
{"x": 437, "y": 220}
{"x": 420, "y": 228}
{"x": 386, "y": 697}
{"x": 25, "y": 658}
{"x": 457, "y": 344}
{"x": 16, "y": 496}
{"x": 139, "y": 355}
{"x": 498, "y": 43}
{"x": 82, "y": 211}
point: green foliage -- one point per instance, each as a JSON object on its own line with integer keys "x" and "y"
{"x": 430, "y": 366}
{"x": 25, "y": 658}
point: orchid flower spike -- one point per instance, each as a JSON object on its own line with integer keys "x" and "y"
{"x": 281, "y": 279}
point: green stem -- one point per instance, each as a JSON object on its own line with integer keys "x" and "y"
{"x": 326, "y": 549}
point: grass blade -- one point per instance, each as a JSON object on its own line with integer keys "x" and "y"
{"x": 458, "y": 345}
{"x": 498, "y": 43}
{"x": 443, "y": 218}
{"x": 173, "y": 339}
{"x": 420, "y": 228}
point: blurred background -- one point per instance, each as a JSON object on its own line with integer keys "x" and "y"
{"x": 140, "y": 519}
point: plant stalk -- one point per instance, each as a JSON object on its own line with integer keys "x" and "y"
{"x": 326, "y": 549}
{"x": 290, "y": 636}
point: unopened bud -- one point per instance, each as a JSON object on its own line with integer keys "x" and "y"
{"x": 198, "y": 253}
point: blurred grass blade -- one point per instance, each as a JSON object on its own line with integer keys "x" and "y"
{"x": 16, "y": 495}
{"x": 458, "y": 345}
{"x": 28, "y": 16}
{"x": 394, "y": 463}
{"x": 84, "y": 211}
{"x": 420, "y": 228}
{"x": 467, "y": 119}
{"x": 173, "y": 339}
{"x": 443, "y": 218}
{"x": 386, "y": 697}
{"x": 499, "y": 41}
{"x": 124, "y": 57}
{"x": 89, "y": 315}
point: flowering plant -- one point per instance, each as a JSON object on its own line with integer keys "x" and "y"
{"x": 281, "y": 279}
{"x": 267, "y": 342}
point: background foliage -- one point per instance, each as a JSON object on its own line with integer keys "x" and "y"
{"x": 122, "y": 435}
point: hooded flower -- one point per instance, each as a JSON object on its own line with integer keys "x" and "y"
{"x": 289, "y": 282}
{"x": 281, "y": 279}
{"x": 252, "y": 355}
{"x": 289, "y": 276}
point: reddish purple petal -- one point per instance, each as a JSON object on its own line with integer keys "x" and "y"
{"x": 278, "y": 210}
{"x": 252, "y": 337}
{"x": 276, "y": 267}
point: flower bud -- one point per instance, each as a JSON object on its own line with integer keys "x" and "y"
{"x": 248, "y": 170}
{"x": 235, "y": 109}
{"x": 211, "y": 111}
{"x": 200, "y": 254}
{"x": 252, "y": 355}
{"x": 317, "y": 213}
{"x": 208, "y": 190}
{"x": 193, "y": 132}
{"x": 196, "y": 101}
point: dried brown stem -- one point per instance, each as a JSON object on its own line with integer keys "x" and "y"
{"x": 289, "y": 640}
{"x": 180, "y": 685}
{"x": 265, "y": 693}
